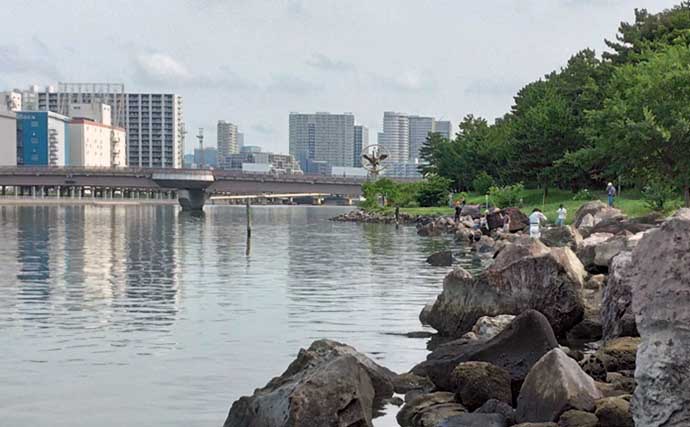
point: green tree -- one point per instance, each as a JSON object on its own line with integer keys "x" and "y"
{"x": 643, "y": 127}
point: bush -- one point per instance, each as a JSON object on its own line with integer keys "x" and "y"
{"x": 433, "y": 191}
{"x": 657, "y": 195}
{"x": 482, "y": 183}
{"x": 506, "y": 196}
{"x": 584, "y": 195}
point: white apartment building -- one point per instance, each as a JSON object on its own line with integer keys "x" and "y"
{"x": 94, "y": 141}
{"x": 153, "y": 122}
{"x": 10, "y": 100}
{"x": 8, "y": 138}
{"x": 227, "y": 140}
{"x": 322, "y": 137}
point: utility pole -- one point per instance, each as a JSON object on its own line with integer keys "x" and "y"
{"x": 200, "y": 137}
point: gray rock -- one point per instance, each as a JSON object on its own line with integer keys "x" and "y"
{"x": 615, "y": 412}
{"x": 328, "y": 384}
{"x": 566, "y": 236}
{"x": 660, "y": 282}
{"x": 587, "y": 250}
{"x": 515, "y": 349}
{"x": 599, "y": 212}
{"x": 518, "y": 220}
{"x": 617, "y": 317}
{"x": 554, "y": 385}
{"x": 429, "y": 410}
{"x": 536, "y": 425}
{"x": 619, "y": 354}
{"x": 488, "y": 327}
{"x": 522, "y": 277}
{"x": 493, "y": 406}
{"x": 477, "y": 382}
{"x": 407, "y": 382}
{"x": 441, "y": 259}
{"x": 575, "y": 418}
{"x": 475, "y": 420}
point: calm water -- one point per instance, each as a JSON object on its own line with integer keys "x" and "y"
{"x": 142, "y": 315}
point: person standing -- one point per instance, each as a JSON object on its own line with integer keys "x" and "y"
{"x": 506, "y": 222}
{"x": 562, "y": 213}
{"x": 458, "y": 210}
{"x": 611, "y": 192}
{"x": 535, "y": 220}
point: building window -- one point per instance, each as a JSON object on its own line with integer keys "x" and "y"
{"x": 34, "y": 140}
{"x": 34, "y": 123}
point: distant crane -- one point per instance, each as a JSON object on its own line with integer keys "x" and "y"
{"x": 200, "y": 137}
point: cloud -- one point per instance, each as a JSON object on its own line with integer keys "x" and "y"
{"x": 322, "y": 62}
{"x": 405, "y": 81}
{"x": 158, "y": 67}
{"x": 20, "y": 61}
{"x": 292, "y": 84}
{"x": 498, "y": 87}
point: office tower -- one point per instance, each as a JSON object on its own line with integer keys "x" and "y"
{"x": 227, "y": 141}
{"x": 420, "y": 127}
{"x": 444, "y": 127}
{"x": 361, "y": 141}
{"x": 396, "y": 136}
{"x": 154, "y": 122}
{"x": 240, "y": 141}
{"x": 322, "y": 138}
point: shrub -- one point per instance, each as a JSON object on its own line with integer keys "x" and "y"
{"x": 433, "y": 191}
{"x": 506, "y": 196}
{"x": 657, "y": 195}
{"x": 584, "y": 195}
{"x": 482, "y": 183}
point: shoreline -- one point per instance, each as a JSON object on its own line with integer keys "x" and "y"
{"x": 81, "y": 202}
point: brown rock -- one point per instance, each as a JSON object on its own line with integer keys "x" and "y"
{"x": 575, "y": 418}
{"x": 477, "y": 382}
{"x": 614, "y": 412}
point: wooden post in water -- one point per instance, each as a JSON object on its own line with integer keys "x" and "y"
{"x": 249, "y": 227}
{"x": 397, "y": 216}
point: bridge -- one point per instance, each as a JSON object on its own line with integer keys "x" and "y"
{"x": 192, "y": 187}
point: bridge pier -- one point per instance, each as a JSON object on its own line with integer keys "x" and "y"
{"x": 191, "y": 200}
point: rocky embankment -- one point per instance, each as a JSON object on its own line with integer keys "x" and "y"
{"x": 615, "y": 290}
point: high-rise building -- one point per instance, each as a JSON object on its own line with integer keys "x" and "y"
{"x": 250, "y": 149}
{"x": 10, "y": 100}
{"x": 210, "y": 157}
{"x": 8, "y": 138}
{"x": 227, "y": 141}
{"x": 396, "y": 136}
{"x": 154, "y": 122}
{"x": 322, "y": 137}
{"x": 420, "y": 127}
{"x": 240, "y": 141}
{"x": 444, "y": 127}
{"x": 361, "y": 141}
{"x": 42, "y": 139}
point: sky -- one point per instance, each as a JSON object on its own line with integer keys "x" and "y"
{"x": 252, "y": 62}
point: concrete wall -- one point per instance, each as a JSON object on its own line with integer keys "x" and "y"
{"x": 90, "y": 145}
{"x": 8, "y": 139}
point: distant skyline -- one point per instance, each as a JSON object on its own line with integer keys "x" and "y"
{"x": 254, "y": 61}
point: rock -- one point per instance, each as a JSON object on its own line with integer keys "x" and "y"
{"x": 549, "y": 281}
{"x": 620, "y": 225}
{"x": 596, "y": 282}
{"x": 429, "y": 410}
{"x": 485, "y": 245}
{"x": 586, "y": 224}
{"x": 404, "y": 383}
{"x": 660, "y": 283}
{"x": 575, "y": 418}
{"x": 606, "y": 251}
{"x": 619, "y": 354}
{"x": 615, "y": 412}
{"x": 488, "y": 327}
{"x": 599, "y": 212}
{"x": 621, "y": 382}
{"x": 562, "y": 237}
{"x": 463, "y": 233}
{"x": 477, "y": 382}
{"x": 587, "y": 251}
{"x": 590, "y": 328}
{"x": 429, "y": 230}
{"x": 594, "y": 367}
{"x": 617, "y": 317}
{"x": 555, "y": 384}
{"x": 425, "y": 314}
{"x": 328, "y": 384}
{"x": 536, "y": 425}
{"x": 473, "y": 211}
{"x": 515, "y": 349}
{"x": 441, "y": 259}
{"x": 493, "y": 406}
{"x": 475, "y": 420}
{"x": 518, "y": 220}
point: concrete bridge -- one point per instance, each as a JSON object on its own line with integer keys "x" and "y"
{"x": 191, "y": 186}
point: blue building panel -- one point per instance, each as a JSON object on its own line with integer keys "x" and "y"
{"x": 32, "y": 138}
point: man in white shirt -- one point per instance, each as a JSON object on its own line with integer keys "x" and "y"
{"x": 562, "y": 215}
{"x": 535, "y": 220}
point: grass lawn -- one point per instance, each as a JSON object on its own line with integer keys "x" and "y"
{"x": 630, "y": 203}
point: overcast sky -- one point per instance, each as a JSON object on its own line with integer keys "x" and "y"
{"x": 253, "y": 61}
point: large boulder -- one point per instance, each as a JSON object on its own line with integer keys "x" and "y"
{"x": 477, "y": 382}
{"x": 440, "y": 259}
{"x": 566, "y": 236}
{"x": 619, "y": 354}
{"x": 474, "y": 211}
{"x": 575, "y": 418}
{"x": 329, "y": 384}
{"x": 549, "y": 280}
{"x": 660, "y": 282}
{"x": 599, "y": 212}
{"x": 475, "y": 420}
{"x": 554, "y": 385}
{"x": 515, "y": 349}
{"x": 493, "y": 406}
{"x": 429, "y": 410}
{"x": 617, "y": 317}
{"x": 518, "y": 220}
{"x": 615, "y": 412}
